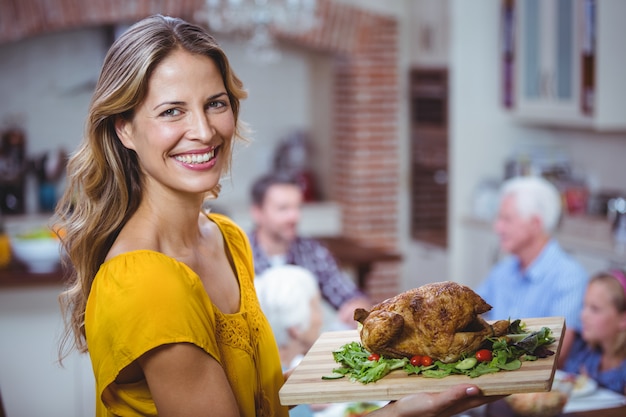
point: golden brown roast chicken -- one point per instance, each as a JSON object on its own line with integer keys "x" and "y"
{"x": 441, "y": 320}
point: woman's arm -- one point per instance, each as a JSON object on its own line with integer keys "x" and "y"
{"x": 186, "y": 381}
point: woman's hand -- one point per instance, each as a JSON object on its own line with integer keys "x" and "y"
{"x": 444, "y": 404}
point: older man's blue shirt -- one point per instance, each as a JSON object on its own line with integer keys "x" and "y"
{"x": 553, "y": 285}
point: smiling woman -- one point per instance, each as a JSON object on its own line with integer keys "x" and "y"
{"x": 159, "y": 139}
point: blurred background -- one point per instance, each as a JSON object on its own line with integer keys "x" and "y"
{"x": 403, "y": 117}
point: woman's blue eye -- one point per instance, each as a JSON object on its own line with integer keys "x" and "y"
{"x": 216, "y": 104}
{"x": 171, "y": 112}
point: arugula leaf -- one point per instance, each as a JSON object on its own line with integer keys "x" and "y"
{"x": 517, "y": 327}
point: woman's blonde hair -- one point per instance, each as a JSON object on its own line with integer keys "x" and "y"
{"x": 618, "y": 300}
{"x": 104, "y": 179}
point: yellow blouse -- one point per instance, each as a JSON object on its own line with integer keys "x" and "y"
{"x": 143, "y": 299}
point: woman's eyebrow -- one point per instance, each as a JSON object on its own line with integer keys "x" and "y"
{"x": 168, "y": 103}
{"x": 178, "y": 103}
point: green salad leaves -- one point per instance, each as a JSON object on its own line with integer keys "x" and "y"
{"x": 505, "y": 353}
{"x": 356, "y": 363}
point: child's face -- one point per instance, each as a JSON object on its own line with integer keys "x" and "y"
{"x": 600, "y": 319}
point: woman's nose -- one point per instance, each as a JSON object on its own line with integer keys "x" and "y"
{"x": 202, "y": 127}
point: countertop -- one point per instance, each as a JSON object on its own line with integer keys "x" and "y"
{"x": 16, "y": 275}
{"x": 318, "y": 219}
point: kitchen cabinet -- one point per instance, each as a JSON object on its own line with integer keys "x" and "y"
{"x": 31, "y": 380}
{"x": 429, "y": 121}
{"x": 563, "y": 62}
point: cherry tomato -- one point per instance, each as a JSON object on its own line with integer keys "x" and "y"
{"x": 416, "y": 360}
{"x": 426, "y": 361}
{"x": 484, "y": 355}
{"x": 373, "y": 357}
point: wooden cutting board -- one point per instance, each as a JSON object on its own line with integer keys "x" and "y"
{"x": 306, "y": 386}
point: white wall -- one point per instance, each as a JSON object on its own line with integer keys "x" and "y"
{"x": 279, "y": 102}
{"x": 480, "y": 134}
{"x": 46, "y": 85}
{"x": 47, "y": 82}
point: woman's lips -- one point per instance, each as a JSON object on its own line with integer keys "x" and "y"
{"x": 198, "y": 160}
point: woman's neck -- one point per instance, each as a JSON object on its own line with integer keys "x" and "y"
{"x": 170, "y": 228}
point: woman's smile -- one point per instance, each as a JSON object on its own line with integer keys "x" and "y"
{"x": 198, "y": 159}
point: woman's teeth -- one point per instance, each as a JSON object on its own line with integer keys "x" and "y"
{"x": 195, "y": 158}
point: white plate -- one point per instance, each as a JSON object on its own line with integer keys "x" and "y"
{"x": 583, "y": 385}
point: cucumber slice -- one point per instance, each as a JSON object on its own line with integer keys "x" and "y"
{"x": 466, "y": 364}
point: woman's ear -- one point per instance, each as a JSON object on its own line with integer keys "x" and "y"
{"x": 123, "y": 128}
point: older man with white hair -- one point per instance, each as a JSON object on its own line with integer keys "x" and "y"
{"x": 537, "y": 278}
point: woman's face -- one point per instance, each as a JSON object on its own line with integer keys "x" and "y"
{"x": 180, "y": 129}
{"x": 601, "y": 321}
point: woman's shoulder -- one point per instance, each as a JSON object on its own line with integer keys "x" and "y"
{"x": 141, "y": 265}
{"x": 223, "y": 221}
{"x": 231, "y": 230}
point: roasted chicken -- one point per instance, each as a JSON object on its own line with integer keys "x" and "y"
{"x": 441, "y": 320}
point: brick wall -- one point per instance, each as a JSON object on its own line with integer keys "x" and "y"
{"x": 365, "y": 148}
{"x": 365, "y": 103}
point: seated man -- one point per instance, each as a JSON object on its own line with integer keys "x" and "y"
{"x": 538, "y": 278}
{"x": 276, "y": 204}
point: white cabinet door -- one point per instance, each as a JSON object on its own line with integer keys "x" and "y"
{"x": 548, "y": 67}
{"x": 559, "y": 46}
{"x": 31, "y": 380}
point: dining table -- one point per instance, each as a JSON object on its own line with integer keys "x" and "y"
{"x": 501, "y": 409}
{"x": 601, "y": 403}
